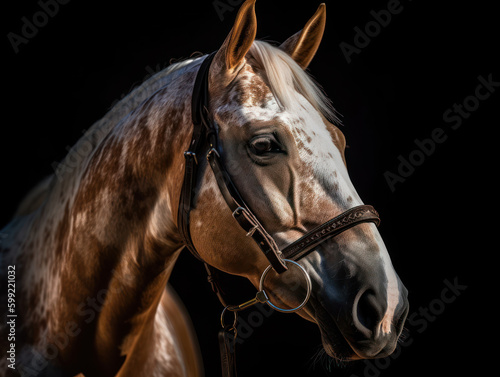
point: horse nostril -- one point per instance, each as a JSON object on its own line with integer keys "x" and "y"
{"x": 368, "y": 313}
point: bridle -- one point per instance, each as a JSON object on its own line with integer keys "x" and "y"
{"x": 205, "y": 141}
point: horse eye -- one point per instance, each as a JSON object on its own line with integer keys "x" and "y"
{"x": 262, "y": 145}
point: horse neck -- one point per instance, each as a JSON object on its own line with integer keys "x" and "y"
{"x": 113, "y": 240}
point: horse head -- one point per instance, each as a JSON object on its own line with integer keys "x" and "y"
{"x": 286, "y": 157}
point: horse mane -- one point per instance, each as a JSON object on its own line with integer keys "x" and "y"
{"x": 283, "y": 75}
{"x": 99, "y": 130}
{"x": 286, "y": 78}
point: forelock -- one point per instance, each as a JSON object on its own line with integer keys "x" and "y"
{"x": 287, "y": 80}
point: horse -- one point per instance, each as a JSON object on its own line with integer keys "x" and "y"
{"x": 93, "y": 246}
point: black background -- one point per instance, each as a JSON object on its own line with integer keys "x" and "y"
{"x": 394, "y": 91}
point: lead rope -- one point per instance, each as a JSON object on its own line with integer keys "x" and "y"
{"x": 227, "y": 346}
{"x": 227, "y": 335}
{"x": 227, "y": 343}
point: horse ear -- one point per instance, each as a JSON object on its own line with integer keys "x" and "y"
{"x": 303, "y": 45}
{"x": 238, "y": 42}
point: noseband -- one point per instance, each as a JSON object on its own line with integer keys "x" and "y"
{"x": 205, "y": 141}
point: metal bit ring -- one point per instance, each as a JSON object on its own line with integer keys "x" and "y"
{"x": 308, "y": 293}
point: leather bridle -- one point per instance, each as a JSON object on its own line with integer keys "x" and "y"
{"x": 204, "y": 141}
